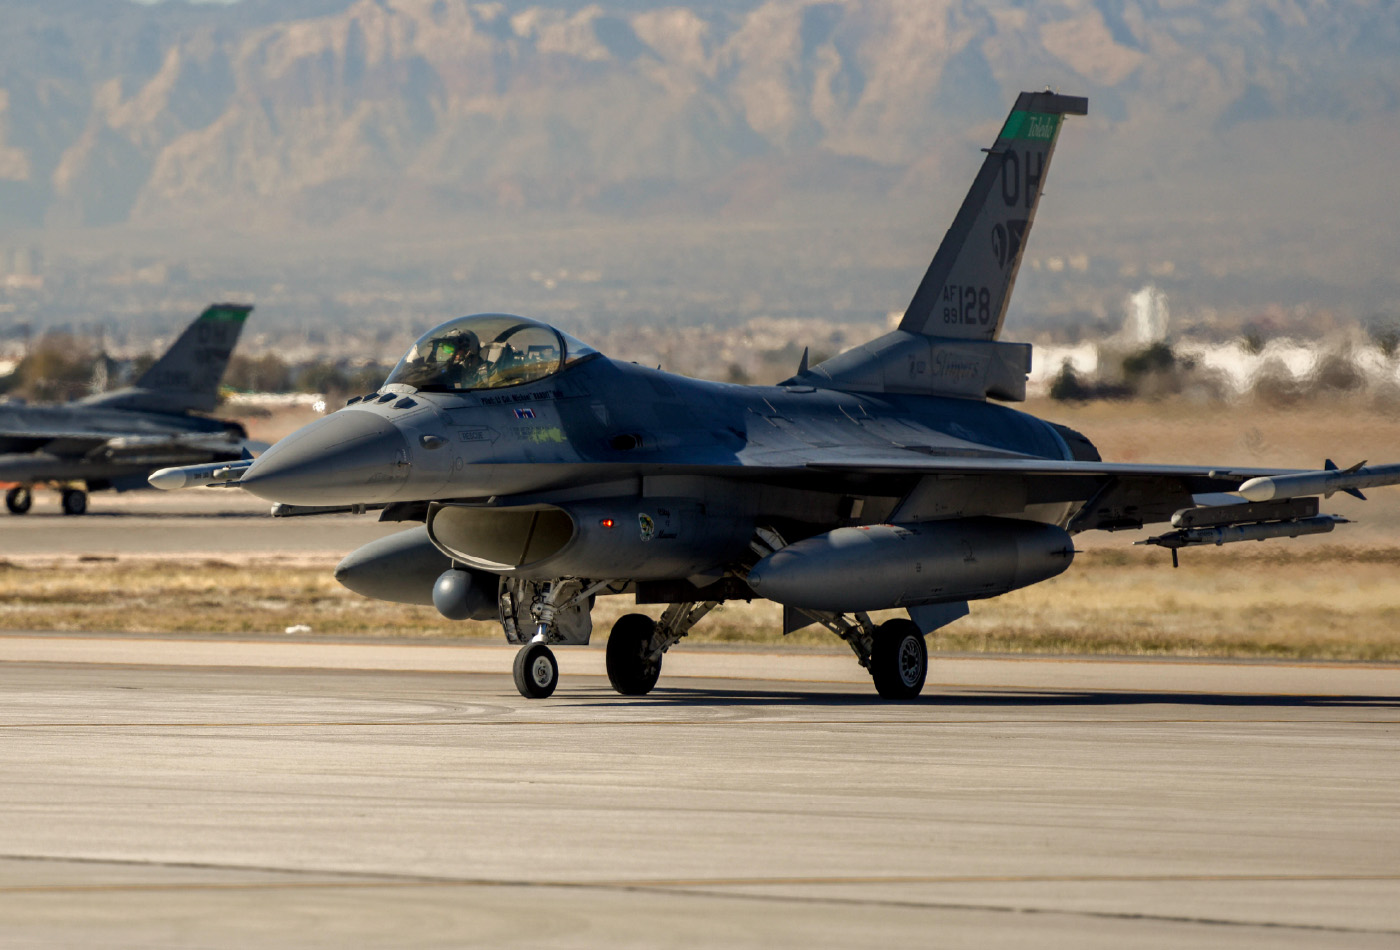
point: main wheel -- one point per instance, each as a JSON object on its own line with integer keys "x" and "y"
{"x": 74, "y": 501}
{"x": 629, "y": 670}
{"x": 18, "y": 499}
{"x": 899, "y": 660}
{"x": 536, "y": 671}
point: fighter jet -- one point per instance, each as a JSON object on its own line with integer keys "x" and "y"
{"x": 542, "y": 474}
{"x": 115, "y": 440}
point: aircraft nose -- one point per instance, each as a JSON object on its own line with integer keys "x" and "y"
{"x": 349, "y": 457}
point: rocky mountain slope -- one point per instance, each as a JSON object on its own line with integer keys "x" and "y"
{"x": 1222, "y": 136}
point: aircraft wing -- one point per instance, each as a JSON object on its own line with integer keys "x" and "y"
{"x": 1198, "y": 478}
{"x": 1105, "y": 495}
{"x": 81, "y": 443}
{"x": 61, "y": 442}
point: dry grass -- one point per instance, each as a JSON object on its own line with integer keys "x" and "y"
{"x": 1301, "y": 601}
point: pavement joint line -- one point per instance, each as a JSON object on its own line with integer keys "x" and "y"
{"x": 705, "y": 887}
{"x": 382, "y": 877}
{"x": 1045, "y": 911}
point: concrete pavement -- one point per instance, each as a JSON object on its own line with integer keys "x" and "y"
{"x": 170, "y": 792}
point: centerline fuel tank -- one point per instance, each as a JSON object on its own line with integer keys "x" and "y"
{"x": 903, "y": 565}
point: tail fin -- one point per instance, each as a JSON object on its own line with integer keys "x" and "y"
{"x": 186, "y": 378}
{"x": 947, "y": 342}
{"x": 968, "y": 285}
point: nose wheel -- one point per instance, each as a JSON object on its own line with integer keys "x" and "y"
{"x": 536, "y": 671}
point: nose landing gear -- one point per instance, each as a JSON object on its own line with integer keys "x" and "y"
{"x": 536, "y": 671}
{"x": 537, "y": 614}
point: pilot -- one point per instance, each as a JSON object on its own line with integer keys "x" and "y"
{"x": 462, "y": 364}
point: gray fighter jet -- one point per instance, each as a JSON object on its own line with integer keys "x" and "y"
{"x": 115, "y": 440}
{"x": 543, "y": 474}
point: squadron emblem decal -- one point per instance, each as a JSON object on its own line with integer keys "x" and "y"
{"x": 647, "y": 526}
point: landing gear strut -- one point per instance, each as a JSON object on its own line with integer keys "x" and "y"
{"x": 18, "y": 499}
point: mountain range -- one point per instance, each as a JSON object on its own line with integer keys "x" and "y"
{"x": 1248, "y": 144}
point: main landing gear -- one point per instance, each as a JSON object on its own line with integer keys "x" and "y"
{"x": 540, "y": 614}
{"x": 637, "y": 644}
{"x": 21, "y": 498}
{"x": 74, "y": 501}
{"x": 895, "y": 652}
{"x": 899, "y": 660}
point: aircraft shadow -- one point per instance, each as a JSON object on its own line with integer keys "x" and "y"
{"x": 998, "y": 699}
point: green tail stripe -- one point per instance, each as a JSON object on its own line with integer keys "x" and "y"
{"x": 226, "y": 314}
{"x": 1038, "y": 126}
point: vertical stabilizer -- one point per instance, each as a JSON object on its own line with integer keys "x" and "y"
{"x": 190, "y": 371}
{"x": 968, "y": 285}
{"x": 947, "y": 342}
{"x": 186, "y": 378}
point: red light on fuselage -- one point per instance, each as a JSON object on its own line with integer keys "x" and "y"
{"x": 606, "y": 522}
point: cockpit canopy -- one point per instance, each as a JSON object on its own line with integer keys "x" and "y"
{"x": 487, "y": 351}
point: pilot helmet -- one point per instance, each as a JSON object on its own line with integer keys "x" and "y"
{"x": 457, "y": 345}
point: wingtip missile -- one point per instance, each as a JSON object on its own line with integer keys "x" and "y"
{"x": 167, "y": 479}
{"x": 1326, "y": 481}
{"x": 210, "y": 475}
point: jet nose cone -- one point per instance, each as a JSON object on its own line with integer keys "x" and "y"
{"x": 349, "y": 457}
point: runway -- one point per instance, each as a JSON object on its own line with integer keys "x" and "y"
{"x": 200, "y": 522}
{"x": 165, "y": 793}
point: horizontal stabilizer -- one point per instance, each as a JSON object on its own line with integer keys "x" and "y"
{"x": 902, "y": 362}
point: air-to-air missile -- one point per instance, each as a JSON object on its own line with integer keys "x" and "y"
{"x": 212, "y": 475}
{"x": 1325, "y": 482}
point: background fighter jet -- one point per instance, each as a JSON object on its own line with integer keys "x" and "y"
{"x": 115, "y": 440}
{"x": 545, "y": 474}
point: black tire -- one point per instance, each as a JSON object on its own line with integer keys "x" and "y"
{"x": 536, "y": 671}
{"x": 74, "y": 501}
{"x": 18, "y": 499}
{"x": 629, "y": 670}
{"x": 899, "y": 660}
